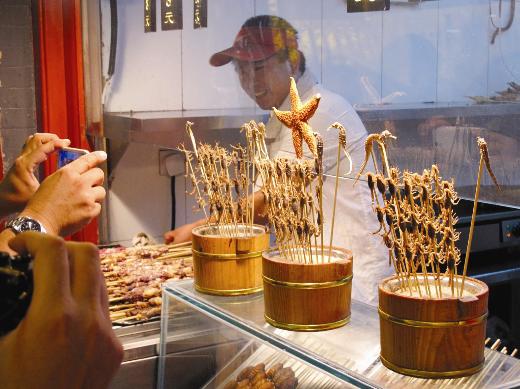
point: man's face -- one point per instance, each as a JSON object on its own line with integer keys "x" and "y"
{"x": 265, "y": 81}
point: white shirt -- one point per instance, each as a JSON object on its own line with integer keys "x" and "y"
{"x": 355, "y": 221}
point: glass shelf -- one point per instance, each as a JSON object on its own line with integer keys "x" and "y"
{"x": 348, "y": 355}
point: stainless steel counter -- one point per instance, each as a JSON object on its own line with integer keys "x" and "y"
{"x": 166, "y": 128}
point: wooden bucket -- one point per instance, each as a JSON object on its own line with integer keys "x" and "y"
{"x": 307, "y": 297}
{"x": 433, "y": 337}
{"x": 228, "y": 265}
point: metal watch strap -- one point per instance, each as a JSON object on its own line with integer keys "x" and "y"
{"x": 25, "y": 223}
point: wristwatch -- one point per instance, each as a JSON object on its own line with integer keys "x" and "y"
{"x": 24, "y": 223}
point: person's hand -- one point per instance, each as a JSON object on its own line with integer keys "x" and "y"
{"x": 181, "y": 234}
{"x": 69, "y": 198}
{"x": 20, "y": 183}
{"x": 66, "y": 338}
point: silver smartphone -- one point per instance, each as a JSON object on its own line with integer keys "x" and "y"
{"x": 68, "y": 154}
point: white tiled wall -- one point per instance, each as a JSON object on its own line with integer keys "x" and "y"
{"x": 504, "y": 54}
{"x": 352, "y": 53}
{"x": 148, "y": 66}
{"x": 430, "y": 51}
{"x": 205, "y": 86}
{"x": 410, "y": 53}
{"x": 463, "y": 48}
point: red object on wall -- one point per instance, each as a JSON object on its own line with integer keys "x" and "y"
{"x": 61, "y": 76}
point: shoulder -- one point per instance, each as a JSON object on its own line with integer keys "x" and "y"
{"x": 335, "y": 108}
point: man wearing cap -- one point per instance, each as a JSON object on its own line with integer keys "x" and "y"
{"x": 265, "y": 54}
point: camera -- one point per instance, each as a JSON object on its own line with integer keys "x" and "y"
{"x": 16, "y": 288}
{"x": 68, "y": 154}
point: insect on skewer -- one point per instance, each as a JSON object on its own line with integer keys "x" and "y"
{"x": 292, "y": 199}
{"x": 484, "y": 159}
{"x": 416, "y": 222}
{"x": 342, "y": 145}
{"x": 215, "y": 176}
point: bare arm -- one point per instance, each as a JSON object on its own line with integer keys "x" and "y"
{"x": 20, "y": 183}
{"x": 183, "y": 233}
{"x": 67, "y": 200}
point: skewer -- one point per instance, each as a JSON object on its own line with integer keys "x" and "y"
{"x": 182, "y": 254}
{"x": 114, "y": 314}
{"x": 412, "y": 235}
{"x": 499, "y": 367}
{"x": 342, "y": 144}
{"x": 214, "y": 168}
{"x": 121, "y": 307}
{"x": 319, "y": 172}
{"x": 129, "y": 318}
{"x": 484, "y": 159}
{"x": 491, "y": 361}
{"x": 168, "y": 246}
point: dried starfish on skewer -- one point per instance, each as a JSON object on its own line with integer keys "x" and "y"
{"x": 297, "y": 120}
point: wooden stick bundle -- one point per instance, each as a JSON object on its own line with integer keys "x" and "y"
{"x": 416, "y": 217}
{"x": 293, "y": 193}
{"x": 222, "y": 183}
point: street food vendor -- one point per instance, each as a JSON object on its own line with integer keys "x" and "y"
{"x": 265, "y": 55}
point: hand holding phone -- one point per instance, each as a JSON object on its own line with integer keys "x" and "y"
{"x": 68, "y": 154}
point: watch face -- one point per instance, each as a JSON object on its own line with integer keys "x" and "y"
{"x": 30, "y": 225}
{"x": 24, "y": 223}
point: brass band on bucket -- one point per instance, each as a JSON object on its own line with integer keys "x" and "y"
{"x": 254, "y": 254}
{"x": 308, "y": 285}
{"x": 227, "y": 292}
{"x": 432, "y": 374}
{"x": 306, "y": 327}
{"x": 431, "y": 324}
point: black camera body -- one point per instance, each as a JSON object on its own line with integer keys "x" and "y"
{"x": 16, "y": 288}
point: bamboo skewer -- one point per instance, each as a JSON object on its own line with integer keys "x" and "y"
{"x": 219, "y": 172}
{"x": 319, "y": 172}
{"x": 472, "y": 225}
{"x": 412, "y": 236}
{"x": 292, "y": 200}
{"x": 416, "y": 222}
{"x": 121, "y": 307}
{"x": 484, "y": 159}
{"x": 181, "y": 254}
{"x": 341, "y": 144}
{"x": 125, "y": 319}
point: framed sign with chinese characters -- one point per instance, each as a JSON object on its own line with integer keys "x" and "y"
{"x": 171, "y": 14}
{"x": 200, "y": 13}
{"x": 367, "y": 5}
{"x": 149, "y": 16}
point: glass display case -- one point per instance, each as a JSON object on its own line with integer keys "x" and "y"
{"x": 340, "y": 358}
